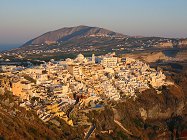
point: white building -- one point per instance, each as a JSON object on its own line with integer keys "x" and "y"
{"x": 109, "y": 62}
{"x": 74, "y": 69}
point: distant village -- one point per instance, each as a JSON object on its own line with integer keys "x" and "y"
{"x": 53, "y": 88}
{"x": 49, "y": 48}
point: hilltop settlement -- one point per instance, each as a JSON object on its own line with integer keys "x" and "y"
{"x": 52, "y": 89}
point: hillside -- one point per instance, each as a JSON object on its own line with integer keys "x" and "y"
{"x": 66, "y": 34}
{"x": 151, "y": 116}
{"x": 70, "y": 41}
{"x": 86, "y": 36}
{"x": 148, "y": 57}
{"x": 17, "y": 123}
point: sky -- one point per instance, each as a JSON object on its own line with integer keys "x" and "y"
{"x": 22, "y": 20}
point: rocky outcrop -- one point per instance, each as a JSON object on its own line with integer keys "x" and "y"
{"x": 153, "y": 57}
{"x": 165, "y": 45}
{"x": 148, "y": 57}
{"x": 150, "y": 116}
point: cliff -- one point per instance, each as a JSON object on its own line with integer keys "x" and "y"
{"x": 151, "y": 116}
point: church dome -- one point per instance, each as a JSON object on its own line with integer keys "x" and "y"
{"x": 80, "y": 57}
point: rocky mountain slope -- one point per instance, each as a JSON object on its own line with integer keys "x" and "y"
{"x": 17, "y": 123}
{"x": 79, "y": 33}
{"x": 66, "y": 34}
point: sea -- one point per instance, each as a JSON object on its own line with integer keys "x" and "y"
{"x": 5, "y": 47}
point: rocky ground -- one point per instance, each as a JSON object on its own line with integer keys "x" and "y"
{"x": 18, "y": 123}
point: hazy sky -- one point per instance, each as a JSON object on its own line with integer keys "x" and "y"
{"x": 22, "y": 20}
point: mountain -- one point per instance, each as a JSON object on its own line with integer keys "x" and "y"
{"x": 69, "y": 33}
{"x": 70, "y": 41}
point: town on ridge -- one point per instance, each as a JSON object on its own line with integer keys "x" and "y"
{"x": 53, "y": 87}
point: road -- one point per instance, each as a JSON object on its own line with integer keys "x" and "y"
{"x": 90, "y": 131}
